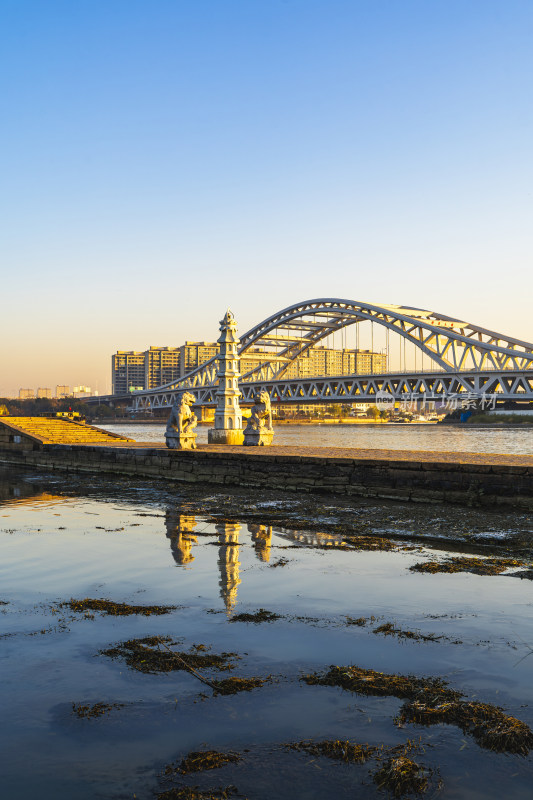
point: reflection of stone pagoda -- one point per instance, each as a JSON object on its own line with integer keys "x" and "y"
{"x": 228, "y": 562}
{"x": 262, "y": 539}
{"x": 228, "y": 415}
{"x": 179, "y": 531}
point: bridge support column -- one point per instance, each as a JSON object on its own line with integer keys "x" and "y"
{"x": 228, "y": 414}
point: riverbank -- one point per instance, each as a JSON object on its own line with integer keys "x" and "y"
{"x": 479, "y": 479}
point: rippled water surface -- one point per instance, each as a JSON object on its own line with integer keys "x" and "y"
{"x": 138, "y": 543}
{"x": 424, "y": 436}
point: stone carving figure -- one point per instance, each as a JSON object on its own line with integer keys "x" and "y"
{"x": 259, "y": 430}
{"x": 181, "y": 424}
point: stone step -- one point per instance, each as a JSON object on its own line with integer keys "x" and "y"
{"x": 61, "y": 431}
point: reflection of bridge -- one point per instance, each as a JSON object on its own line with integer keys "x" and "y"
{"x": 465, "y": 358}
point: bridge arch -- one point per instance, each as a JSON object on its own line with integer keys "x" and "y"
{"x": 452, "y": 344}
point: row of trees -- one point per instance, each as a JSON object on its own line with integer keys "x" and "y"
{"x": 44, "y": 405}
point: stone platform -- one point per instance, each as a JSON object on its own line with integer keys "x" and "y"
{"x": 473, "y": 479}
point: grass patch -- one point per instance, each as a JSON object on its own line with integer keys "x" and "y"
{"x": 360, "y": 621}
{"x": 198, "y": 761}
{"x": 346, "y": 751}
{"x": 114, "y": 609}
{"x": 281, "y": 562}
{"x": 489, "y": 725}
{"x": 431, "y": 701}
{"x": 194, "y": 793}
{"x": 477, "y": 566}
{"x": 401, "y": 776}
{"x": 153, "y": 654}
{"x": 235, "y": 685}
{"x": 388, "y": 629}
{"x": 379, "y": 684}
{"x": 96, "y": 710}
{"x": 370, "y": 543}
{"x": 397, "y": 773}
{"x": 260, "y": 616}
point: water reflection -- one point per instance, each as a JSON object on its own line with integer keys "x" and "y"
{"x": 228, "y": 563}
{"x": 15, "y": 490}
{"x": 262, "y": 539}
{"x": 179, "y": 531}
{"x": 311, "y": 538}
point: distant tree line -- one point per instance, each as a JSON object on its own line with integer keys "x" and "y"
{"x": 45, "y": 405}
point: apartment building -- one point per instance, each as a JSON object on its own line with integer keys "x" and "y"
{"x": 128, "y": 371}
{"x": 328, "y": 361}
{"x": 158, "y": 366}
{"x": 194, "y": 354}
{"x": 43, "y": 392}
{"x": 62, "y": 391}
{"x": 162, "y": 365}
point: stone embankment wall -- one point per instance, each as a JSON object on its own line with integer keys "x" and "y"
{"x": 476, "y": 480}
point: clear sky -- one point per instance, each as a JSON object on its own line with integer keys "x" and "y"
{"x": 165, "y": 159}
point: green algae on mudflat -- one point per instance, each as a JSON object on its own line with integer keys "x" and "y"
{"x": 431, "y": 701}
{"x": 114, "y": 609}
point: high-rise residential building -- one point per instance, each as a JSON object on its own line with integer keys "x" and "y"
{"x": 327, "y": 361}
{"x": 148, "y": 369}
{"x": 254, "y": 358}
{"x": 42, "y": 392}
{"x": 26, "y": 394}
{"x": 62, "y": 391}
{"x": 194, "y": 354}
{"x": 367, "y": 362}
{"x": 127, "y": 371}
{"x": 161, "y": 366}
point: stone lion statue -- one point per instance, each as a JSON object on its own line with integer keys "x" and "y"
{"x": 261, "y": 414}
{"x": 181, "y": 423}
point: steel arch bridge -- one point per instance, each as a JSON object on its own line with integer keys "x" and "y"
{"x": 467, "y": 359}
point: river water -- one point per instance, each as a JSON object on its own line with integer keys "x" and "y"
{"x": 143, "y": 543}
{"x": 425, "y": 436}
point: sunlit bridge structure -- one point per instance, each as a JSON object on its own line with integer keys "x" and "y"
{"x": 429, "y": 354}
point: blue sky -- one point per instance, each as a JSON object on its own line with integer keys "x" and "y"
{"x": 163, "y": 160}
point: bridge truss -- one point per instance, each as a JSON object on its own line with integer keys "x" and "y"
{"x": 467, "y": 359}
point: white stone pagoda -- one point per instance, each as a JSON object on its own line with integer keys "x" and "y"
{"x": 228, "y": 414}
